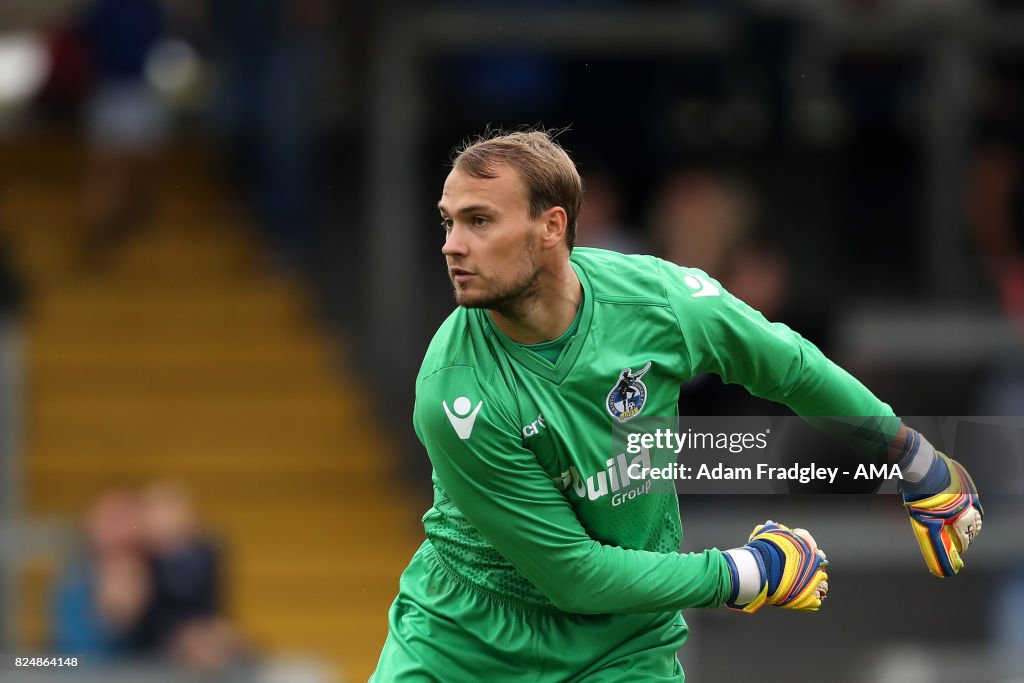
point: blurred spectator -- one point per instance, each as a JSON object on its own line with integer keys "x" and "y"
{"x": 705, "y": 220}
{"x": 148, "y": 585}
{"x": 502, "y": 80}
{"x": 126, "y": 121}
{"x": 600, "y": 221}
{"x": 99, "y": 601}
{"x": 269, "y": 52}
{"x": 757, "y": 273}
{"x": 995, "y": 192}
{"x": 67, "y": 83}
{"x": 700, "y": 219}
{"x": 183, "y": 617}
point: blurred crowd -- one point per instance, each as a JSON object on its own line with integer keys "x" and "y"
{"x": 779, "y": 160}
{"x": 793, "y": 176}
{"x": 146, "y": 584}
{"x": 130, "y": 73}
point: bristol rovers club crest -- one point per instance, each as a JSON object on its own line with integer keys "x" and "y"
{"x": 629, "y": 394}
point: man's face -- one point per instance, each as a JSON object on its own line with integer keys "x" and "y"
{"x": 491, "y": 241}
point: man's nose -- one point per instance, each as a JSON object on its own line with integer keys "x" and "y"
{"x": 454, "y": 244}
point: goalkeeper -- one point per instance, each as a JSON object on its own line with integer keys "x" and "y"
{"x": 541, "y": 563}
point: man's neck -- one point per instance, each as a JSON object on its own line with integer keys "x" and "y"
{"x": 547, "y": 314}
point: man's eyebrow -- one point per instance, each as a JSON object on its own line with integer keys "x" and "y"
{"x": 472, "y": 208}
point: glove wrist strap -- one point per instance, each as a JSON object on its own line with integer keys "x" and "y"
{"x": 748, "y": 575}
{"x": 918, "y": 461}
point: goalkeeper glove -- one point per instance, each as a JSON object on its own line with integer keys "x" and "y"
{"x": 943, "y": 504}
{"x": 778, "y": 566}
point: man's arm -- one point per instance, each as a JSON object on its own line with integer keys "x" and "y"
{"x": 725, "y": 336}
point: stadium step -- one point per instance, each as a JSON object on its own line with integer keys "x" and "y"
{"x": 188, "y": 359}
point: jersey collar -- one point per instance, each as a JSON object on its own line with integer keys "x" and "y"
{"x": 554, "y": 372}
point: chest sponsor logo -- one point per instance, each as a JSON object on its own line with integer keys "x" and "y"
{"x": 628, "y": 395}
{"x": 462, "y": 415}
{"x": 614, "y": 479}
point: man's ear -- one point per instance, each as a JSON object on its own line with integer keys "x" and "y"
{"x": 556, "y": 222}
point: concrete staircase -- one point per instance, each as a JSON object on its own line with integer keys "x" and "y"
{"x": 188, "y": 358}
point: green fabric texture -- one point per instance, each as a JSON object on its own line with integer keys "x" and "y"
{"x": 532, "y": 508}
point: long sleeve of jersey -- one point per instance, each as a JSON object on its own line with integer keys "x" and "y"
{"x": 726, "y": 337}
{"x": 496, "y": 483}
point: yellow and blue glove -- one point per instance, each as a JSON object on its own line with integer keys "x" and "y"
{"x": 778, "y": 566}
{"x": 944, "y": 507}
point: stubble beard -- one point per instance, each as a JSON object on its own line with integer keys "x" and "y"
{"x": 510, "y": 298}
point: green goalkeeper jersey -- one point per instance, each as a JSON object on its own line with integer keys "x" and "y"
{"x": 530, "y": 504}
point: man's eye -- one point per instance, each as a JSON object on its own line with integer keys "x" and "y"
{"x": 446, "y": 224}
{"x": 480, "y": 221}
